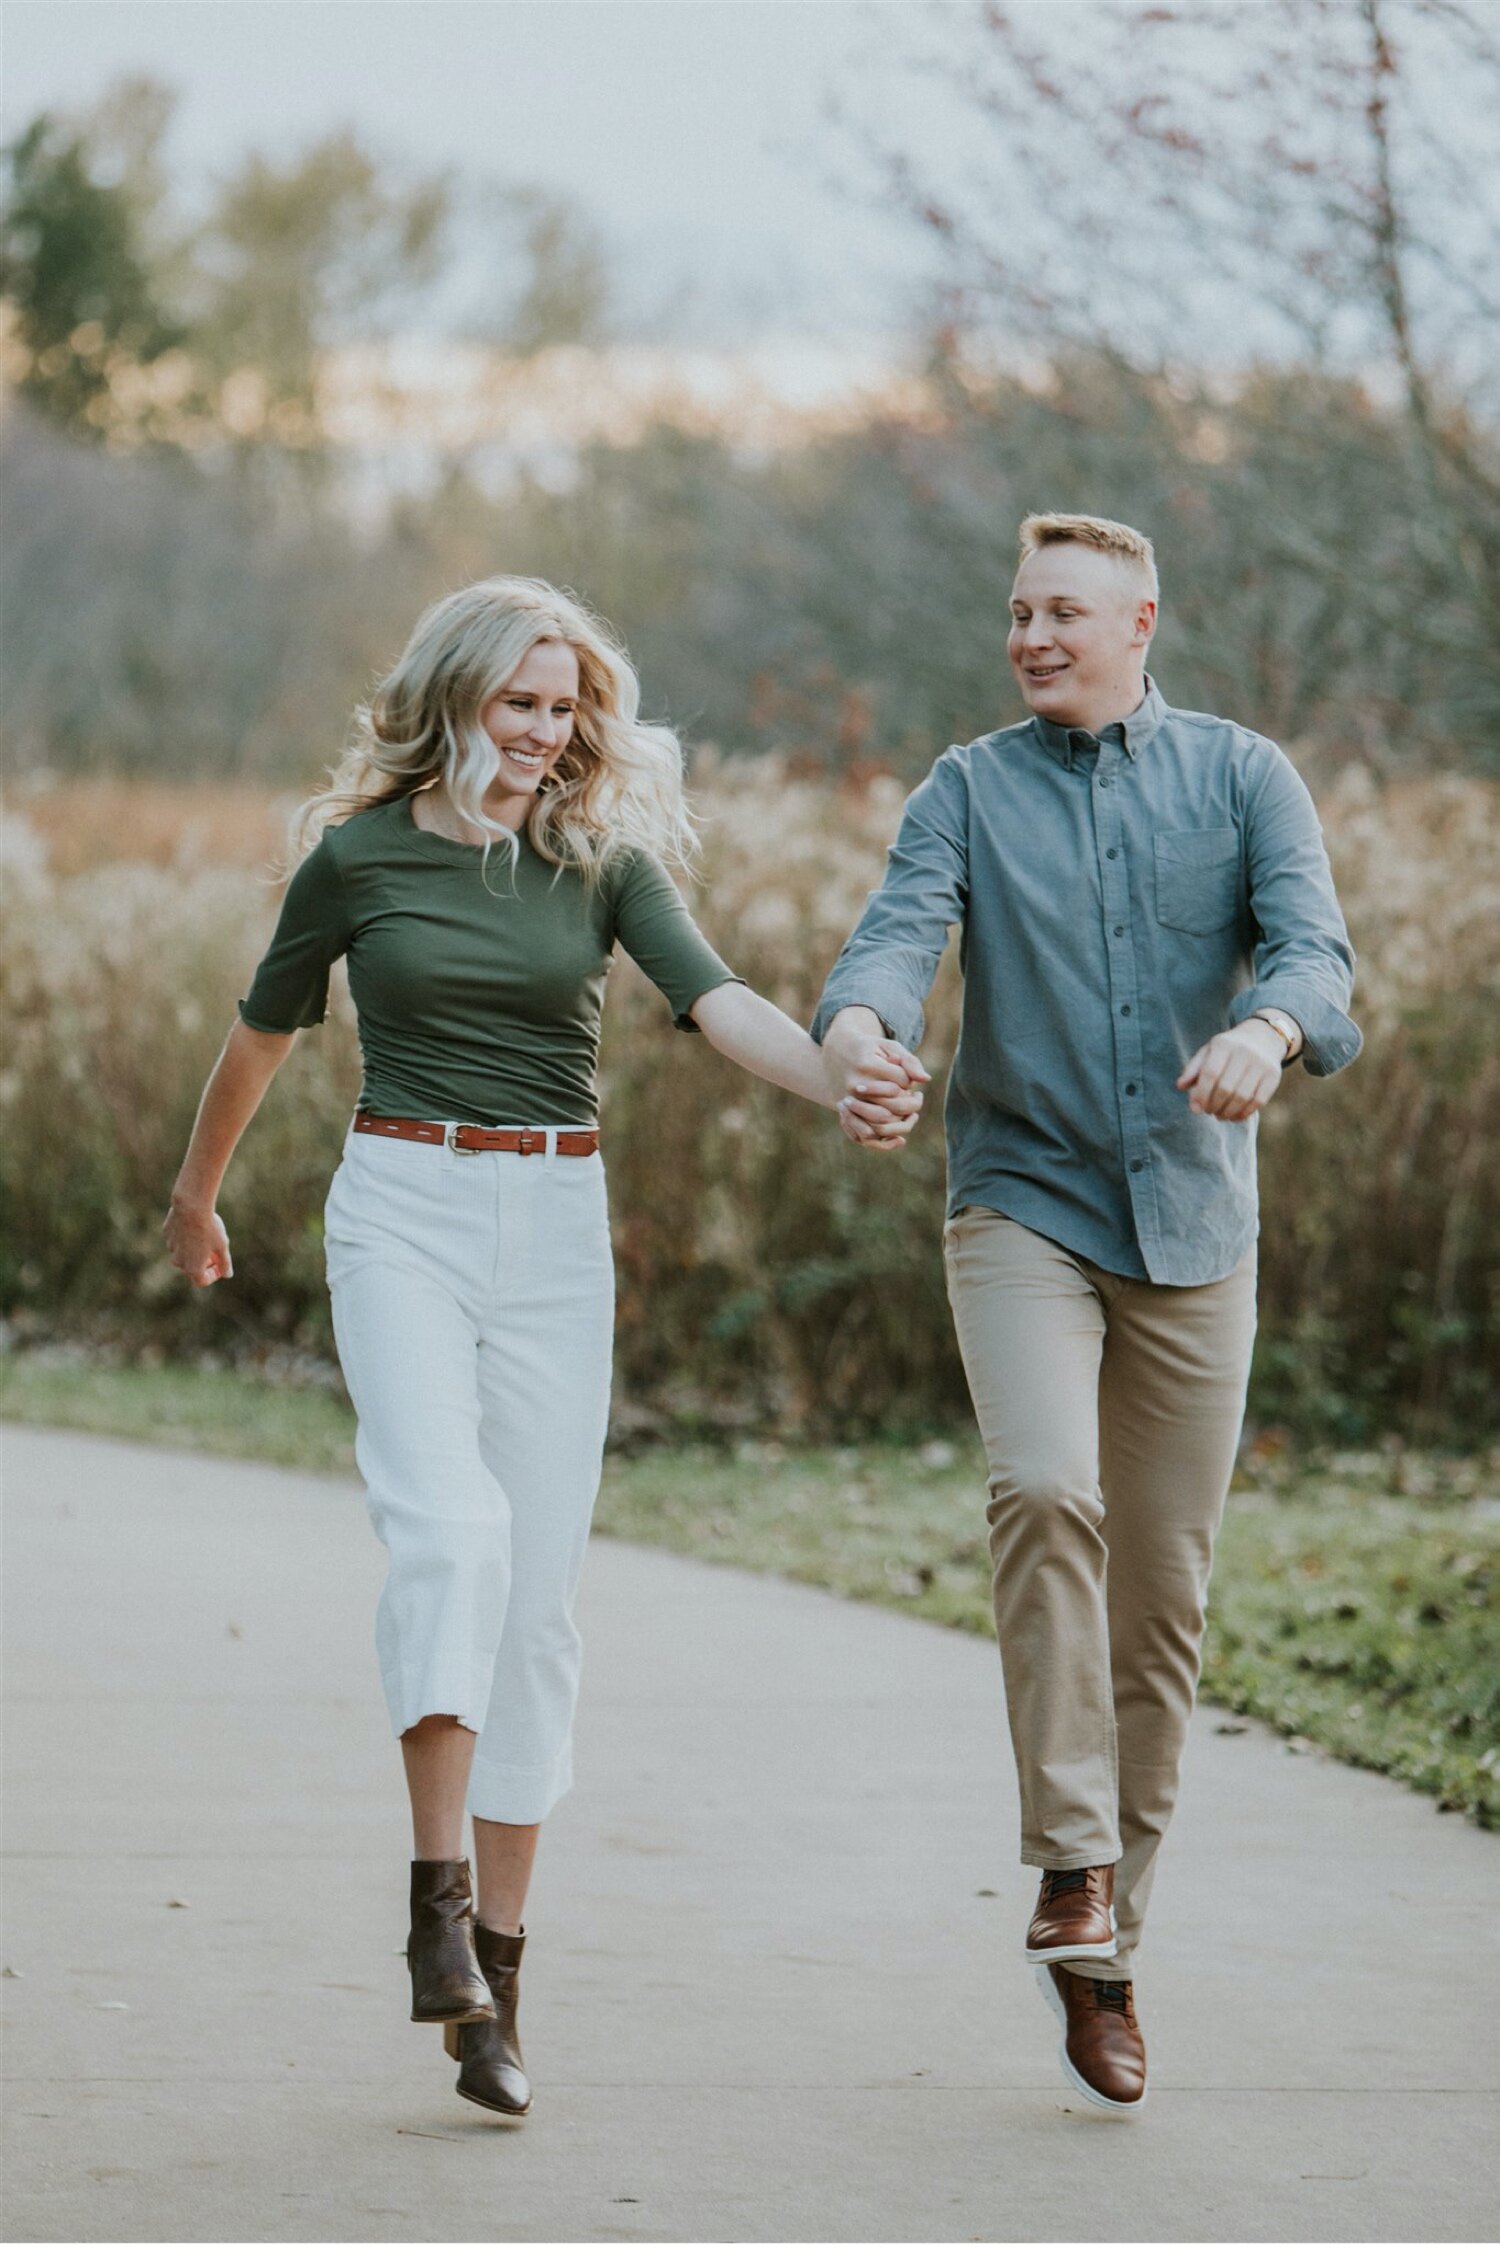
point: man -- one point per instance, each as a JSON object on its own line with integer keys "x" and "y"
{"x": 1149, "y": 936}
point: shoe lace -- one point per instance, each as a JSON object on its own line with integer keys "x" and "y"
{"x": 1113, "y": 1996}
{"x": 1059, "y": 1881}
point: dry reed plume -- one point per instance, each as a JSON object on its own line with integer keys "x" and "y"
{"x": 765, "y": 1269}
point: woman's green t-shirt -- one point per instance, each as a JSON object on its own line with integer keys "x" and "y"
{"x": 478, "y": 988}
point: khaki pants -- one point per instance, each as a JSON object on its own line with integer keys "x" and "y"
{"x": 1110, "y": 1411}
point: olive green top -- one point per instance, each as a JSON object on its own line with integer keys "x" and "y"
{"x": 478, "y": 989}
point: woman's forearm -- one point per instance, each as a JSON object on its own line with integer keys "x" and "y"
{"x": 247, "y": 1063}
{"x": 753, "y": 1032}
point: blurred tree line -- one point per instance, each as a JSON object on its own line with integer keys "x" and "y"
{"x": 1247, "y": 311}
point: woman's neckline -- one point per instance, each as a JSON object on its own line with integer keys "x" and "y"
{"x": 446, "y": 847}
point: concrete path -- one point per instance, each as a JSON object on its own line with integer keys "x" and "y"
{"x": 774, "y": 1990}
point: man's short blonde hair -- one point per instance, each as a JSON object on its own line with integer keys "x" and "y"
{"x": 1110, "y": 538}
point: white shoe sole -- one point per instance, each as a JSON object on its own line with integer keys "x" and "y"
{"x": 1090, "y": 2093}
{"x": 1040, "y": 1955}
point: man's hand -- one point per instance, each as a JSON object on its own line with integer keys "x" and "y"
{"x": 1235, "y": 1073}
{"x": 874, "y": 1125}
{"x": 876, "y": 1082}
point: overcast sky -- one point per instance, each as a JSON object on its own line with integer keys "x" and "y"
{"x": 696, "y": 133}
{"x": 694, "y": 130}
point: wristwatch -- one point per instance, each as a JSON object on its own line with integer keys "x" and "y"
{"x": 1288, "y": 1026}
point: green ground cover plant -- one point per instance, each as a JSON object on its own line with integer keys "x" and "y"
{"x": 1355, "y": 1602}
{"x": 200, "y": 1410}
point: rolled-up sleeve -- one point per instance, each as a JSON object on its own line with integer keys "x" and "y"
{"x": 1303, "y": 961}
{"x": 893, "y": 951}
{"x": 290, "y": 987}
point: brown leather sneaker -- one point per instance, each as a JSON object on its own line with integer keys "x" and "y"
{"x": 1075, "y": 1916}
{"x": 492, "y": 2070}
{"x": 1102, "y": 2050}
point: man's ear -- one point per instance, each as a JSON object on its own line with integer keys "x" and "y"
{"x": 1145, "y": 619}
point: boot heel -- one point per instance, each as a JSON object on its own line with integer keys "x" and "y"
{"x": 450, "y": 2041}
{"x": 493, "y": 2073}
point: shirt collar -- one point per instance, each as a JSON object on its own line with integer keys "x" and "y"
{"x": 1135, "y": 731}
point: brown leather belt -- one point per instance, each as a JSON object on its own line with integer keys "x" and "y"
{"x": 473, "y": 1140}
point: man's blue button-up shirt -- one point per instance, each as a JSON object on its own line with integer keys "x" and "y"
{"x": 1119, "y": 900}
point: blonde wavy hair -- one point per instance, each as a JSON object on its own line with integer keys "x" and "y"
{"x": 617, "y": 783}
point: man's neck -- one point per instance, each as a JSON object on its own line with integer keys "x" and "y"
{"x": 1109, "y": 711}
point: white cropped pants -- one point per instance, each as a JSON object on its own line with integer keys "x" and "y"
{"x": 473, "y": 1305}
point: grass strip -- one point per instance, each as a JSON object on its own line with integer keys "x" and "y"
{"x": 199, "y": 1410}
{"x": 1350, "y": 1615}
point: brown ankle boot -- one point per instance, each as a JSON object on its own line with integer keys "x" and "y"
{"x": 491, "y": 2070}
{"x": 447, "y": 1983}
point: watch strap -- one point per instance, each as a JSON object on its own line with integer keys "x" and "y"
{"x": 1289, "y": 1033}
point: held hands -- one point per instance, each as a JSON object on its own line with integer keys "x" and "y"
{"x": 197, "y": 1245}
{"x": 1235, "y": 1073}
{"x": 877, "y": 1084}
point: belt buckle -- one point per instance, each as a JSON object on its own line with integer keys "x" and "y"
{"x": 451, "y": 1141}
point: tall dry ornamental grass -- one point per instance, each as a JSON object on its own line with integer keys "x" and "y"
{"x": 766, "y": 1269}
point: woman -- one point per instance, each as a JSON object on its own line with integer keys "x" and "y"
{"x": 500, "y": 821}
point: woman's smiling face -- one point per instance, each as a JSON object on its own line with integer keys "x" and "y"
{"x": 531, "y": 722}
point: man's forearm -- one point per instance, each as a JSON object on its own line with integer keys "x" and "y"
{"x": 853, "y": 1024}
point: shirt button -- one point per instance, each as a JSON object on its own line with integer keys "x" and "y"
{"x": 1130, "y": 1089}
{"x": 1126, "y": 1009}
{"x": 1104, "y": 781}
{"x": 1136, "y": 1164}
{"x": 1111, "y": 853}
{"x": 1119, "y": 929}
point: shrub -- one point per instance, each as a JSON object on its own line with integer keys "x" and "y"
{"x": 766, "y": 1269}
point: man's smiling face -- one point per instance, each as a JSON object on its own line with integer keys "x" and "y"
{"x": 1081, "y": 623}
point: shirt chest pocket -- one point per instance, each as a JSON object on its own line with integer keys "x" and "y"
{"x": 1197, "y": 878}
